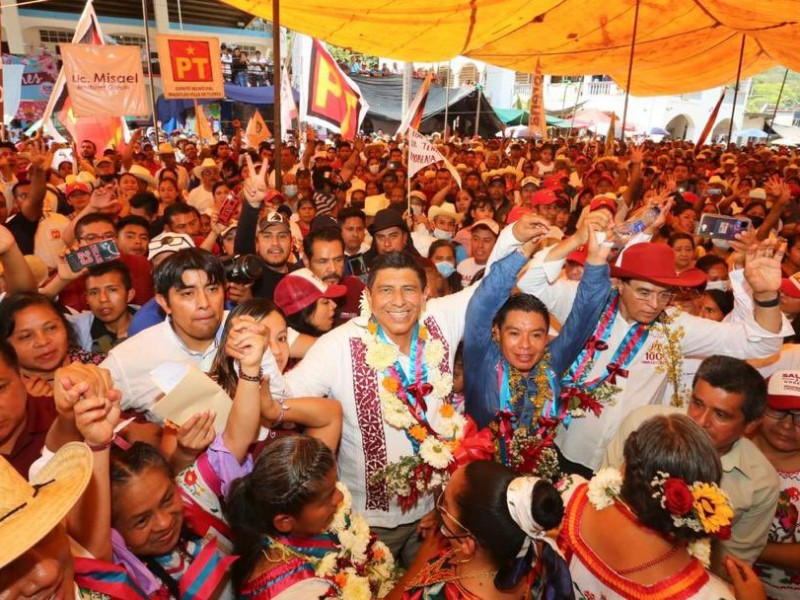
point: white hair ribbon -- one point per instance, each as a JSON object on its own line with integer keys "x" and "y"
{"x": 518, "y": 498}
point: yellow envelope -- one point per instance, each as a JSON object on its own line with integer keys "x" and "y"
{"x": 194, "y": 392}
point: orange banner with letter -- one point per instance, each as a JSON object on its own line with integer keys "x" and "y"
{"x": 190, "y": 66}
{"x": 329, "y": 97}
{"x": 105, "y": 80}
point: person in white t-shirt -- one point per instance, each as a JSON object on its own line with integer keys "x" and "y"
{"x": 484, "y": 236}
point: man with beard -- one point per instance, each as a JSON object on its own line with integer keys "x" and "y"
{"x": 324, "y": 250}
{"x": 88, "y": 151}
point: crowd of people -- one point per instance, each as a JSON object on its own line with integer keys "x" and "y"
{"x": 247, "y": 71}
{"x": 569, "y": 372}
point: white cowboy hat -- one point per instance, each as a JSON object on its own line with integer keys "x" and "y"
{"x": 142, "y": 174}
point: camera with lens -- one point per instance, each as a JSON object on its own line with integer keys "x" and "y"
{"x": 243, "y": 268}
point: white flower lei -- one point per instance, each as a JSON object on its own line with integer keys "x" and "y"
{"x": 448, "y": 423}
{"x": 353, "y": 534}
{"x": 604, "y": 489}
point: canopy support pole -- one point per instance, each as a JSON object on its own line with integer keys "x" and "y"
{"x": 150, "y": 69}
{"x": 736, "y": 89}
{"x": 180, "y": 16}
{"x": 446, "y": 100}
{"x": 575, "y": 110}
{"x": 630, "y": 72}
{"x": 778, "y": 102}
{"x": 277, "y": 132}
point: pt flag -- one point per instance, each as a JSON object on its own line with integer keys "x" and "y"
{"x": 105, "y": 80}
{"x": 257, "y": 130}
{"x": 329, "y": 98}
{"x": 105, "y": 132}
{"x": 202, "y": 126}
{"x": 536, "y": 118}
{"x": 190, "y": 66}
{"x": 422, "y": 153}
{"x": 712, "y": 118}
{"x": 413, "y": 116}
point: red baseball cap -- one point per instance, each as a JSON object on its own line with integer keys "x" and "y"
{"x": 579, "y": 255}
{"x": 604, "y": 201}
{"x": 545, "y": 196}
{"x": 515, "y": 213}
{"x": 300, "y": 289}
{"x": 783, "y": 390}
{"x": 77, "y": 187}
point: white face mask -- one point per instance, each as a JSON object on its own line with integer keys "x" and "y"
{"x": 445, "y": 268}
{"x": 723, "y": 285}
{"x": 290, "y": 191}
{"x": 441, "y": 234}
{"x": 374, "y": 169}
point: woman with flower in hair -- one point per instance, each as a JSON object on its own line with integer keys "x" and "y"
{"x": 644, "y": 533}
{"x": 295, "y": 533}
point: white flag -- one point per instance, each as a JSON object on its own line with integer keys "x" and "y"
{"x": 288, "y": 107}
{"x": 422, "y": 153}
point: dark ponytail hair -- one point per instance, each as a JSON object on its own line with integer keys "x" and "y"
{"x": 671, "y": 444}
{"x": 483, "y": 510}
{"x": 286, "y": 477}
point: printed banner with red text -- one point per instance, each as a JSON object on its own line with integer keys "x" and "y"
{"x": 190, "y": 66}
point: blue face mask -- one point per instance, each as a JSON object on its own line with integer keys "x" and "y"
{"x": 290, "y": 191}
{"x": 441, "y": 234}
{"x": 445, "y": 268}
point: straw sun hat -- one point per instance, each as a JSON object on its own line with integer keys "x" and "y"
{"x": 30, "y": 510}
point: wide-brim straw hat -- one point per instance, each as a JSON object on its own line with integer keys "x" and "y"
{"x": 29, "y": 510}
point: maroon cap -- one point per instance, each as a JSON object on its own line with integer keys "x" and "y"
{"x": 300, "y": 289}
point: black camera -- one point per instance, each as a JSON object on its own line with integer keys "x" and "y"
{"x": 243, "y": 268}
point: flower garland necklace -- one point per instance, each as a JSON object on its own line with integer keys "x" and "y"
{"x": 580, "y": 394}
{"x": 702, "y": 507}
{"x": 405, "y": 405}
{"x": 669, "y": 347}
{"x": 523, "y": 431}
{"x": 348, "y": 556}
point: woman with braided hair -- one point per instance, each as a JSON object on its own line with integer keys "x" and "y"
{"x": 295, "y": 534}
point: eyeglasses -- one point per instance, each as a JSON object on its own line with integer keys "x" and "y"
{"x": 646, "y": 295}
{"x": 780, "y": 415}
{"x": 446, "y": 532}
{"x": 98, "y": 237}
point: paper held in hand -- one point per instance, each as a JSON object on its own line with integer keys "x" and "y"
{"x": 188, "y": 391}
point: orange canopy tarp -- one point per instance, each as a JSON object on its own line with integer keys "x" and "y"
{"x": 682, "y": 45}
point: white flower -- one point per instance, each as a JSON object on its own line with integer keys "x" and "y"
{"x": 356, "y": 588}
{"x": 327, "y": 565}
{"x": 394, "y": 411}
{"x": 340, "y": 518}
{"x": 442, "y": 386}
{"x": 355, "y": 538}
{"x": 604, "y": 488}
{"x": 381, "y": 356}
{"x": 434, "y": 352}
{"x": 435, "y": 453}
{"x": 701, "y": 550}
{"x": 365, "y": 310}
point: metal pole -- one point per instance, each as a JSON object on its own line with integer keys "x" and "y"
{"x": 276, "y": 87}
{"x": 408, "y": 83}
{"x": 630, "y": 73}
{"x": 778, "y": 103}
{"x": 2, "y": 89}
{"x": 575, "y": 109}
{"x": 446, "y": 98}
{"x": 478, "y": 109}
{"x": 150, "y": 68}
{"x": 736, "y": 89}
{"x": 180, "y": 16}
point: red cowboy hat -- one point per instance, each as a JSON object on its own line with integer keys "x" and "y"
{"x": 655, "y": 263}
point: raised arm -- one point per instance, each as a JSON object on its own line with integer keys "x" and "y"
{"x": 18, "y": 275}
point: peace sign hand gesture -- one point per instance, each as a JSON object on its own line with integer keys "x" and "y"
{"x": 255, "y": 186}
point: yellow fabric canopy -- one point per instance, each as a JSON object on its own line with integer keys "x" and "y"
{"x": 682, "y": 45}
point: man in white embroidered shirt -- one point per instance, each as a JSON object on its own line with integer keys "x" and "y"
{"x": 339, "y": 365}
{"x": 190, "y": 289}
{"x": 640, "y": 340}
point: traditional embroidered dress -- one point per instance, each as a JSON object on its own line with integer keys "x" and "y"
{"x": 495, "y": 391}
{"x": 785, "y": 529}
{"x": 639, "y": 371}
{"x": 439, "y": 580}
{"x": 594, "y": 579}
{"x": 100, "y": 580}
{"x": 292, "y": 579}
